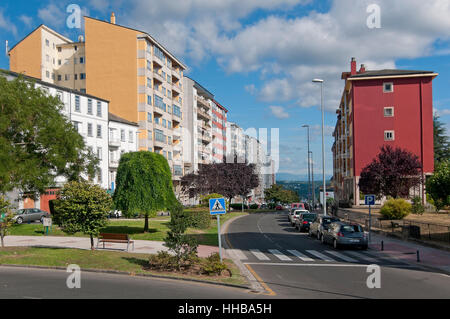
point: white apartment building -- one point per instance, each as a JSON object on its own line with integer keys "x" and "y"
{"x": 197, "y": 124}
{"x": 235, "y": 142}
{"x": 122, "y": 138}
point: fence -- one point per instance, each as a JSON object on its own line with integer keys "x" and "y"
{"x": 401, "y": 228}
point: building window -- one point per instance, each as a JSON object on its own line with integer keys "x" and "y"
{"x": 389, "y": 135}
{"x": 90, "y": 133}
{"x": 164, "y": 123}
{"x": 149, "y": 117}
{"x": 388, "y": 112}
{"x": 150, "y": 136}
{"x": 99, "y": 153}
{"x": 388, "y": 87}
{"x": 59, "y": 49}
{"x": 47, "y": 43}
{"x": 82, "y": 60}
{"x": 149, "y": 83}
{"x": 99, "y": 131}
{"x": 90, "y": 106}
{"x": 169, "y": 124}
{"x": 76, "y": 76}
{"x": 177, "y": 170}
{"x": 176, "y": 111}
{"x": 77, "y": 104}
{"x": 83, "y": 90}
{"x": 159, "y": 136}
{"x": 170, "y": 156}
{"x": 122, "y": 135}
{"x": 149, "y": 100}
{"x": 82, "y": 76}
{"x": 66, "y": 77}
{"x": 130, "y": 136}
{"x": 99, "y": 108}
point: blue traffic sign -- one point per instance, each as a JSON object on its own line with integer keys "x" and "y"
{"x": 369, "y": 199}
{"x": 217, "y": 206}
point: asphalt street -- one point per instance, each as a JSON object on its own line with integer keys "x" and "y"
{"x": 293, "y": 265}
{"x": 28, "y": 283}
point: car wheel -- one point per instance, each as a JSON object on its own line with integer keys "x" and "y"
{"x": 322, "y": 239}
{"x": 19, "y": 220}
{"x": 335, "y": 244}
{"x": 310, "y": 234}
{"x": 318, "y": 235}
{"x": 365, "y": 247}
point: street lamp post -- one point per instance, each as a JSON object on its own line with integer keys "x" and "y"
{"x": 323, "y": 147}
{"x": 312, "y": 177}
{"x": 309, "y": 170}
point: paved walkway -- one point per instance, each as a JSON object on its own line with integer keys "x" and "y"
{"x": 407, "y": 252}
{"x": 140, "y": 246}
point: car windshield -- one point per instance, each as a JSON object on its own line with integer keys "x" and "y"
{"x": 309, "y": 217}
{"x": 329, "y": 220}
{"x": 19, "y": 212}
{"x": 351, "y": 229}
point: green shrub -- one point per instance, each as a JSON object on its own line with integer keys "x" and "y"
{"x": 163, "y": 261}
{"x": 212, "y": 265}
{"x": 396, "y": 209}
{"x": 204, "y": 200}
{"x": 417, "y": 207}
{"x": 272, "y": 205}
{"x": 254, "y": 206}
{"x": 200, "y": 219}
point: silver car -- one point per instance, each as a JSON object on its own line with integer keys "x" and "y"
{"x": 295, "y": 215}
{"x": 30, "y": 215}
{"x": 341, "y": 234}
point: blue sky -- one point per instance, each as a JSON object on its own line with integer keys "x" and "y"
{"x": 258, "y": 56}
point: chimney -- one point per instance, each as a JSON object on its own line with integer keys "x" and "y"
{"x": 353, "y": 66}
{"x": 363, "y": 68}
{"x": 113, "y": 18}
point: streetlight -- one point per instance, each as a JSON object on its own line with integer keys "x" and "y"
{"x": 312, "y": 178}
{"x": 309, "y": 176}
{"x": 323, "y": 146}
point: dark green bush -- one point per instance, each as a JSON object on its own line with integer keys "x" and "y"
{"x": 200, "y": 219}
{"x": 417, "y": 207}
{"x": 254, "y": 206}
{"x": 238, "y": 206}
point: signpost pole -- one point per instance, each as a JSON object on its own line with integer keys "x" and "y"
{"x": 218, "y": 233}
{"x": 370, "y": 222}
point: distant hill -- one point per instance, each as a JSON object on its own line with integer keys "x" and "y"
{"x": 287, "y": 177}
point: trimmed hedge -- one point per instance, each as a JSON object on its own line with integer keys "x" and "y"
{"x": 200, "y": 219}
{"x": 238, "y": 206}
{"x": 395, "y": 209}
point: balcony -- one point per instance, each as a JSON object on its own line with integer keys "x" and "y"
{"x": 113, "y": 164}
{"x": 114, "y": 142}
{"x": 176, "y": 88}
{"x": 176, "y": 73}
{"x": 203, "y": 101}
{"x": 202, "y": 114}
{"x": 157, "y": 76}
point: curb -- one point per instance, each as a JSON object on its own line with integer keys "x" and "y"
{"x": 117, "y": 272}
{"x": 255, "y": 286}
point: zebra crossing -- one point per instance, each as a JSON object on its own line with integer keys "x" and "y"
{"x": 308, "y": 256}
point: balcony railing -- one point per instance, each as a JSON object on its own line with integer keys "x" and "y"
{"x": 114, "y": 142}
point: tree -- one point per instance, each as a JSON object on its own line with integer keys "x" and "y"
{"x": 228, "y": 179}
{"x": 37, "y": 142}
{"x": 6, "y": 218}
{"x": 82, "y": 207}
{"x": 441, "y": 143}
{"x": 438, "y": 185}
{"x": 392, "y": 173}
{"x": 184, "y": 247}
{"x": 277, "y": 194}
{"x": 144, "y": 185}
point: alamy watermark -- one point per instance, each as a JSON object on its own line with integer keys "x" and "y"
{"x": 74, "y": 279}
{"x": 74, "y": 19}
{"x": 374, "y": 19}
{"x": 374, "y": 279}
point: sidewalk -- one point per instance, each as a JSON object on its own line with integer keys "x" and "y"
{"x": 140, "y": 246}
{"x": 407, "y": 252}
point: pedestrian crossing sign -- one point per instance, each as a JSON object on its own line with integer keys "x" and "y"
{"x": 217, "y": 206}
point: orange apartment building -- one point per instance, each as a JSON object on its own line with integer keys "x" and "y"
{"x": 128, "y": 67}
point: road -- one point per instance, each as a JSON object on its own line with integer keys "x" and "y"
{"x": 28, "y": 283}
{"x": 292, "y": 265}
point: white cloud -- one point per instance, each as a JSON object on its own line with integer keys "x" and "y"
{"x": 7, "y": 25}
{"x": 28, "y": 21}
{"x": 52, "y": 15}
{"x": 279, "y": 112}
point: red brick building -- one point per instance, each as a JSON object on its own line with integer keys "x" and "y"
{"x": 382, "y": 107}
{"x": 219, "y": 126}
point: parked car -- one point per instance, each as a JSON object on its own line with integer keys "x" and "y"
{"x": 295, "y": 215}
{"x": 279, "y": 207}
{"x": 341, "y": 234}
{"x": 298, "y": 206}
{"x": 322, "y": 222}
{"x": 304, "y": 220}
{"x": 30, "y": 215}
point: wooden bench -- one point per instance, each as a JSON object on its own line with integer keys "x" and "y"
{"x": 114, "y": 238}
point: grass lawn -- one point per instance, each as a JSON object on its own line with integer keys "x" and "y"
{"x": 157, "y": 229}
{"x": 105, "y": 260}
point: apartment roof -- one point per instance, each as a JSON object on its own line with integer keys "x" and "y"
{"x": 220, "y": 106}
{"x": 58, "y": 87}
{"x": 47, "y": 29}
{"x": 389, "y": 73}
{"x": 201, "y": 88}
{"x": 115, "y": 118}
{"x": 145, "y": 33}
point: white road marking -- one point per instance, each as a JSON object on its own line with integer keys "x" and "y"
{"x": 258, "y": 254}
{"x": 300, "y": 255}
{"x": 326, "y": 265}
{"x": 361, "y": 256}
{"x": 279, "y": 255}
{"x": 319, "y": 255}
{"x": 341, "y": 256}
{"x": 239, "y": 254}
